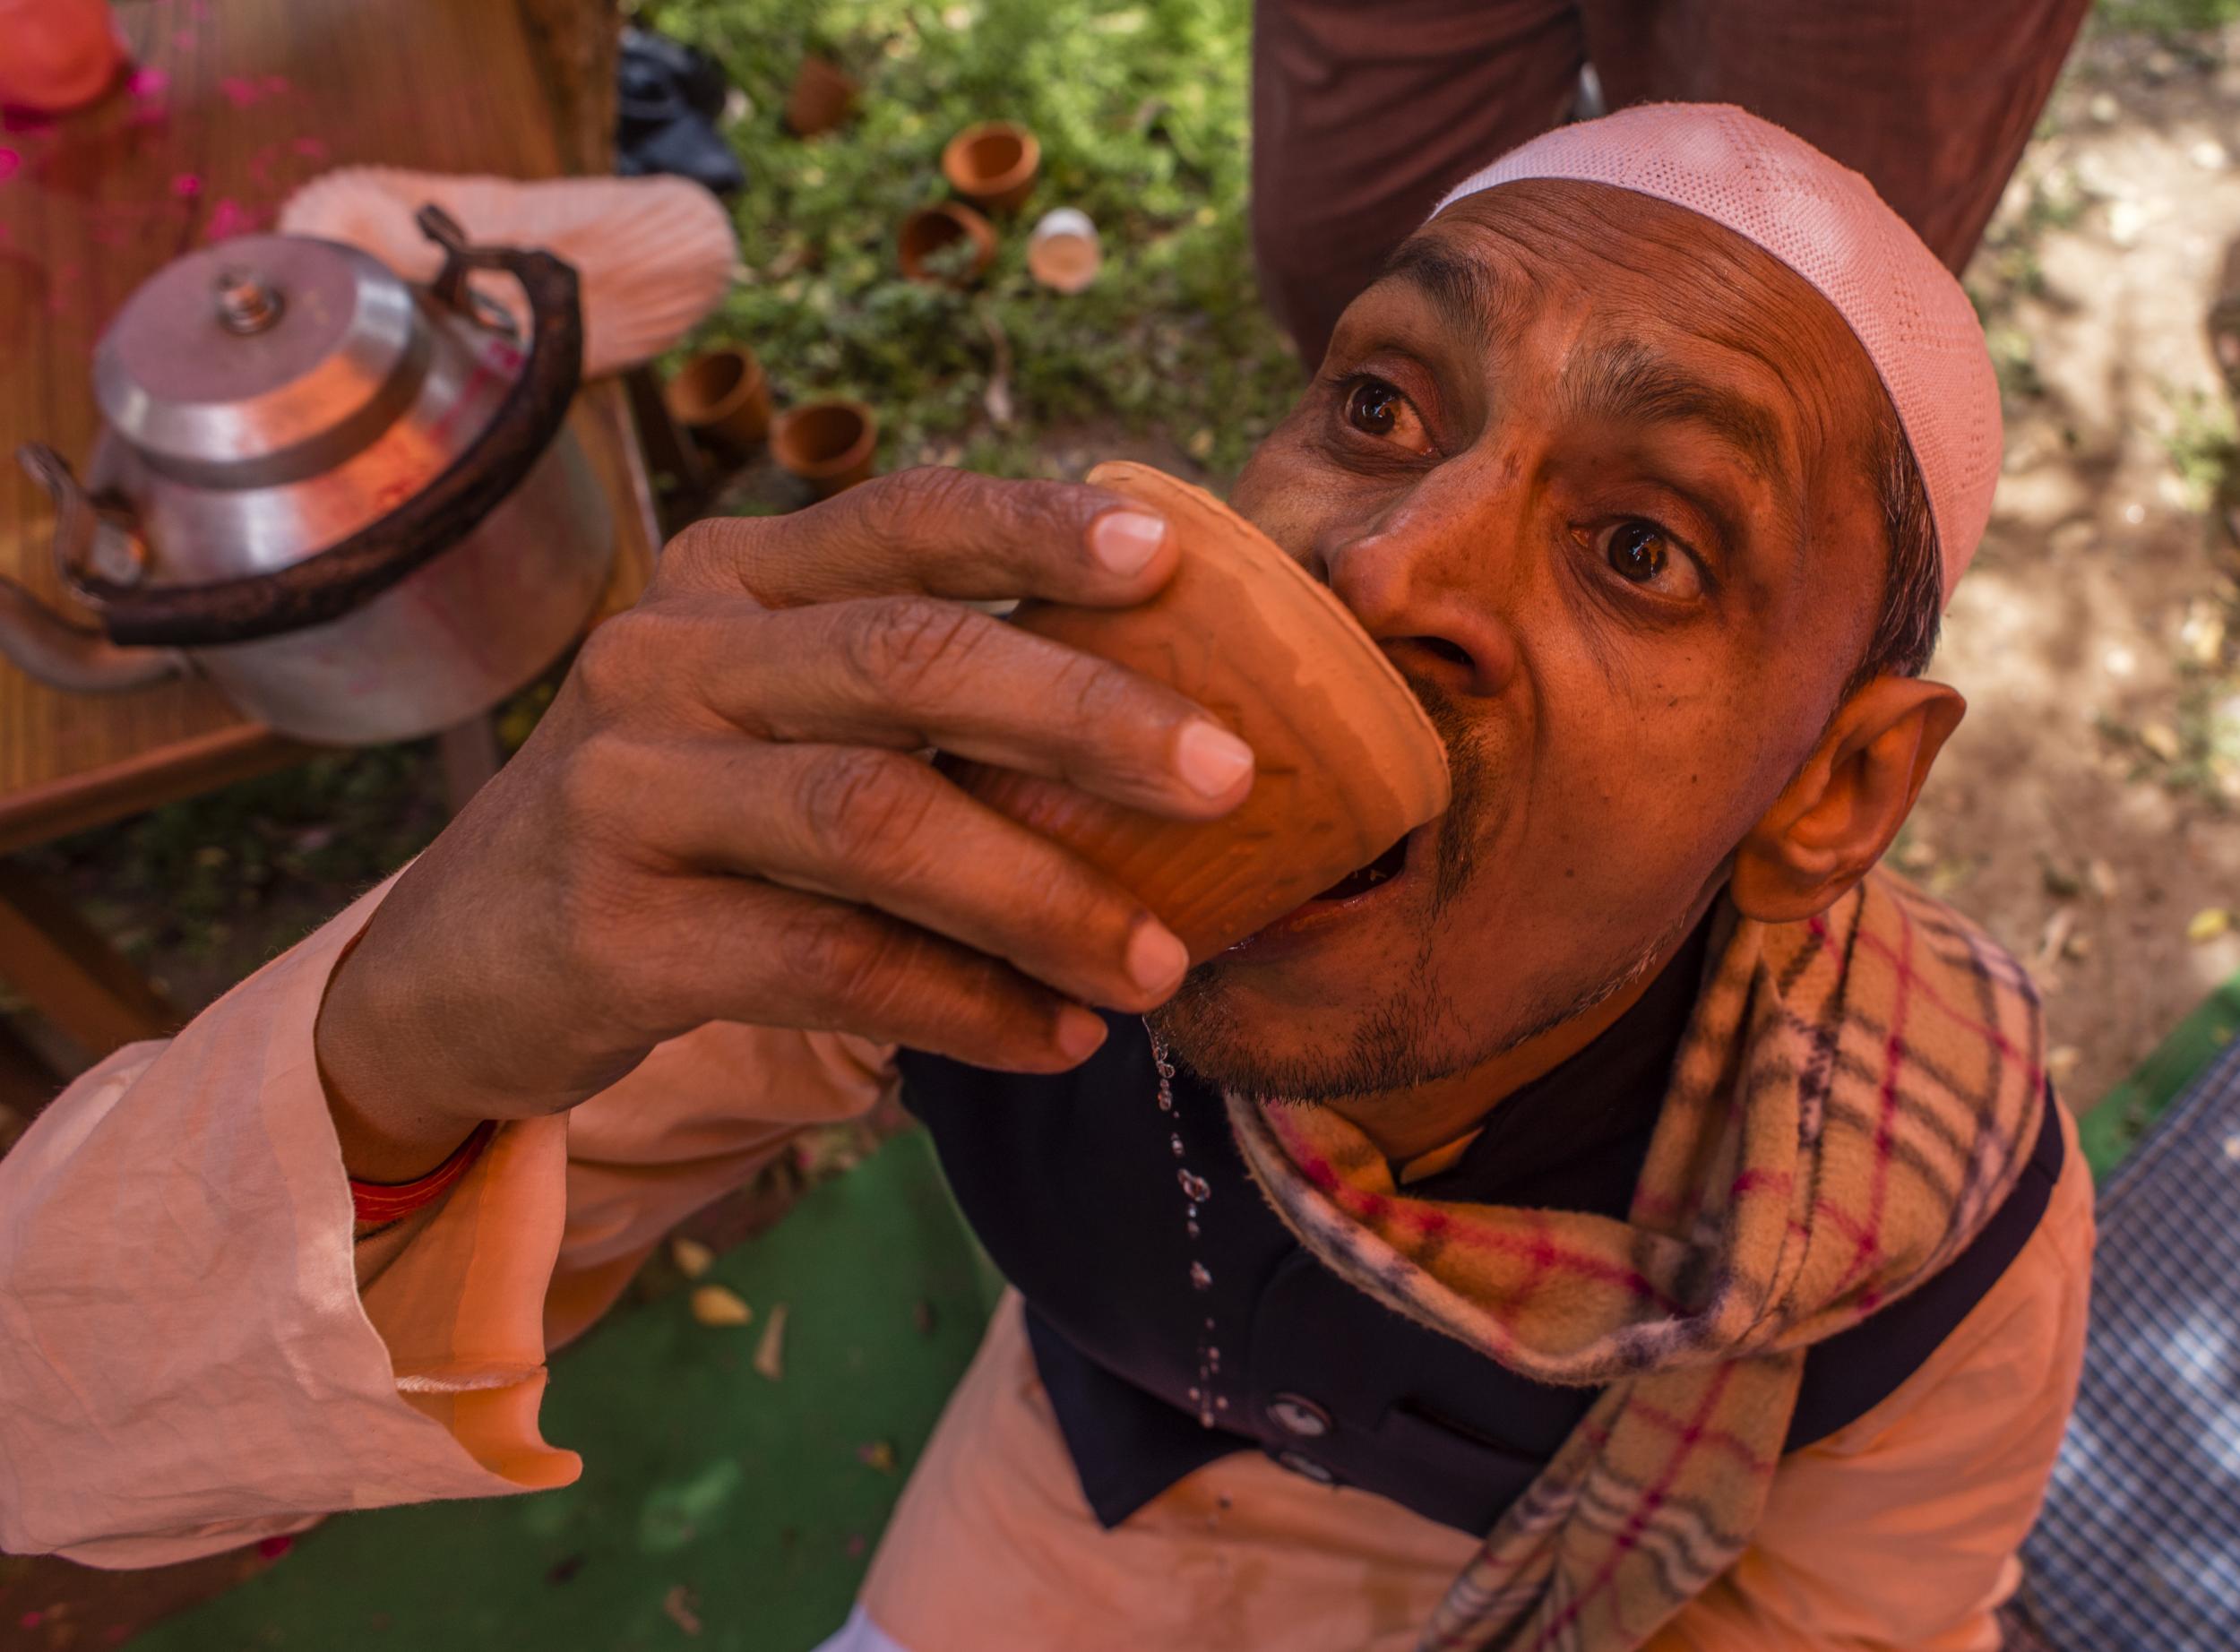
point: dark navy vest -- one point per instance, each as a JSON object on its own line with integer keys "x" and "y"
{"x": 1079, "y": 1188}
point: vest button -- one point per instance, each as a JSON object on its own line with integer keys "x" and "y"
{"x": 1300, "y": 1464}
{"x": 1298, "y": 1416}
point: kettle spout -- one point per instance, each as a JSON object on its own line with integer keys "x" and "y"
{"x": 63, "y": 655}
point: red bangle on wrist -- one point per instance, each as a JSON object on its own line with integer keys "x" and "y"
{"x": 384, "y": 1202}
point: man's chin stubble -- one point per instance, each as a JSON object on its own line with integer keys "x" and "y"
{"x": 1414, "y": 1035}
{"x": 1204, "y": 1027}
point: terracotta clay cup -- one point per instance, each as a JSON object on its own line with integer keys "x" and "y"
{"x": 828, "y": 444}
{"x": 722, "y": 398}
{"x": 823, "y": 97}
{"x": 993, "y": 165}
{"x": 967, "y": 238}
{"x": 1063, "y": 253}
{"x": 1348, "y": 762}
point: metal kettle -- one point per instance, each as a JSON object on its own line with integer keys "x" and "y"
{"x": 350, "y": 502}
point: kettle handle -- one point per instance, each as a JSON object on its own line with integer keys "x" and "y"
{"x": 325, "y": 587}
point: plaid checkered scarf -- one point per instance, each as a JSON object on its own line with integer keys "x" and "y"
{"x": 1854, "y": 1097}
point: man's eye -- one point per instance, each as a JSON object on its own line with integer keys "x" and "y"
{"x": 1641, "y": 553}
{"x": 1379, "y": 409}
{"x": 1638, "y": 551}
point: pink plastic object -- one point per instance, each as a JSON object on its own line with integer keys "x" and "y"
{"x": 1824, "y": 222}
{"x": 56, "y": 54}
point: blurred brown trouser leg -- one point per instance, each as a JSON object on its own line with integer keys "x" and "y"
{"x": 1365, "y": 113}
{"x": 1365, "y": 110}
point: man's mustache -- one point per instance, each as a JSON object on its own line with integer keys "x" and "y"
{"x": 1470, "y": 787}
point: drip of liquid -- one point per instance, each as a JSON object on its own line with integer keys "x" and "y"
{"x": 1196, "y": 1191}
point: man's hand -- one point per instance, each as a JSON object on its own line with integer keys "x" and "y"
{"x": 723, "y": 818}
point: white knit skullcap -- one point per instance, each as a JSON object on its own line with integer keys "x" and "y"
{"x": 1824, "y": 222}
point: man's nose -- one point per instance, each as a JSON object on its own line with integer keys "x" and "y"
{"x": 1433, "y": 577}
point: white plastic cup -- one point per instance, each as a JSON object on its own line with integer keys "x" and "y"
{"x": 1063, "y": 252}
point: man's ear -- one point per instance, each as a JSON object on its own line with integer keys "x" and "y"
{"x": 1835, "y": 819}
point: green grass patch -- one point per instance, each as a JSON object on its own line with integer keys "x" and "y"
{"x": 2165, "y": 18}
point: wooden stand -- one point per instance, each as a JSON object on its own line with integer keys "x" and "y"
{"x": 72, "y": 976}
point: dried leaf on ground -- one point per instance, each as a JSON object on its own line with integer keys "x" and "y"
{"x": 2208, "y": 924}
{"x": 714, "y": 1304}
{"x": 678, "y": 1604}
{"x": 770, "y": 1352}
{"x": 693, "y": 1258}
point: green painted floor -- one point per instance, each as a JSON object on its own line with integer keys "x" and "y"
{"x": 2114, "y": 1127}
{"x": 710, "y": 1496}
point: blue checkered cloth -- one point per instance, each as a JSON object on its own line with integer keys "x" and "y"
{"x": 2139, "y": 1549}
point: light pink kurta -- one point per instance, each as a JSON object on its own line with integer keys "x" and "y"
{"x": 186, "y": 1364}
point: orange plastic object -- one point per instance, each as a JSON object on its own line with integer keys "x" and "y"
{"x": 56, "y": 54}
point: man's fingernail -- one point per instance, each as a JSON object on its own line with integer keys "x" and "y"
{"x": 1124, "y": 541}
{"x": 1156, "y": 956}
{"x": 1209, "y": 758}
{"x": 1079, "y": 1032}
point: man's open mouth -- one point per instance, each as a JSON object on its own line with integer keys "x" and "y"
{"x": 1356, "y": 891}
{"x": 1363, "y": 879}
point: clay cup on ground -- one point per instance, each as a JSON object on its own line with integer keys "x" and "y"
{"x": 1063, "y": 253}
{"x": 722, "y": 398}
{"x": 828, "y": 444}
{"x": 946, "y": 245}
{"x": 993, "y": 165}
{"x": 823, "y": 97}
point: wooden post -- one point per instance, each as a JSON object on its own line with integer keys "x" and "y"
{"x": 73, "y": 977}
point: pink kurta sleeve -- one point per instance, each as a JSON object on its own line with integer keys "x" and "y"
{"x": 1899, "y": 1533}
{"x": 185, "y": 1361}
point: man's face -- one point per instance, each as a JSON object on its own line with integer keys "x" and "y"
{"x": 1590, "y": 468}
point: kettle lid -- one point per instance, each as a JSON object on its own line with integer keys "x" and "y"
{"x": 260, "y": 359}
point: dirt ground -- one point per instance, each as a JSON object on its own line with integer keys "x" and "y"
{"x": 2085, "y": 812}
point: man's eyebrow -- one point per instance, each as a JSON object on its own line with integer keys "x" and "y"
{"x": 1631, "y": 381}
{"x": 1464, "y": 291}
